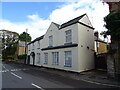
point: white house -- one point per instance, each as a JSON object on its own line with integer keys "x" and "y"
{"x": 69, "y": 46}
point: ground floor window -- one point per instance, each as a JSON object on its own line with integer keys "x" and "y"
{"x": 55, "y": 56}
{"x": 46, "y": 58}
{"x": 68, "y": 58}
{"x": 38, "y": 58}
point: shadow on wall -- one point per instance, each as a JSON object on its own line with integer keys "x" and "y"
{"x": 101, "y": 61}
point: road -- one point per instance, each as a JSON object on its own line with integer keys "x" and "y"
{"x": 24, "y": 76}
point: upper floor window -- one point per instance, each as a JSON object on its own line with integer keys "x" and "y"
{"x": 33, "y": 46}
{"x": 38, "y": 44}
{"x": 68, "y": 36}
{"x": 55, "y": 58}
{"x": 50, "y": 40}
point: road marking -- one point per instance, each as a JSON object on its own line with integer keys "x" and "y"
{"x": 5, "y": 67}
{"x": 100, "y": 83}
{"x": 16, "y": 75}
{"x": 3, "y": 71}
{"x": 37, "y": 86}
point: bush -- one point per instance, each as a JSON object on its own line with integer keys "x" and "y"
{"x": 10, "y": 57}
{"x": 22, "y": 56}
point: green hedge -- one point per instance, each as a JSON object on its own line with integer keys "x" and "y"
{"x": 22, "y": 56}
{"x": 10, "y": 57}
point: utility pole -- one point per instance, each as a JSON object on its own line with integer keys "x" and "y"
{"x": 25, "y": 46}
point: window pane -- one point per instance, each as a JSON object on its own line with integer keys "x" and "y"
{"x": 50, "y": 40}
{"x": 68, "y": 36}
{"x": 38, "y": 54}
{"x": 38, "y": 44}
{"x": 55, "y": 58}
{"x": 68, "y": 58}
{"x": 46, "y": 58}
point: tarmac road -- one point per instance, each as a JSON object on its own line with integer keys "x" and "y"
{"x": 23, "y": 76}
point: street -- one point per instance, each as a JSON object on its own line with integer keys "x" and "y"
{"x": 23, "y": 76}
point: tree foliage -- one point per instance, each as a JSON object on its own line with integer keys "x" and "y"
{"x": 112, "y": 21}
{"x": 8, "y": 38}
{"x": 9, "y": 42}
{"x": 25, "y": 37}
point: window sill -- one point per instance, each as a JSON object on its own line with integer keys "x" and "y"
{"x": 55, "y": 64}
{"x": 67, "y": 66}
{"x": 50, "y": 46}
{"x": 68, "y": 43}
{"x": 45, "y": 63}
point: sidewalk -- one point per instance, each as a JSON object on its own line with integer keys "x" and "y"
{"x": 93, "y": 76}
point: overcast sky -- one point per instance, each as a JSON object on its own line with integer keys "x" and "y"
{"x": 37, "y": 16}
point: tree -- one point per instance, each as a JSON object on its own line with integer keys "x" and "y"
{"x": 112, "y": 21}
{"x": 8, "y": 38}
{"x": 25, "y": 37}
{"x": 9, "y": 43}
{"x": 113, "y": 25}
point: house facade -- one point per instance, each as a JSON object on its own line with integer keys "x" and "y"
{"x": 69, "y": 46}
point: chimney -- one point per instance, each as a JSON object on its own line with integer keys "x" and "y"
{"x": 96, "y": 34}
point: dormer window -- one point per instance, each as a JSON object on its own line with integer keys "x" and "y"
{"x": 68, "y": 36}
{"x": 50, "y": 40}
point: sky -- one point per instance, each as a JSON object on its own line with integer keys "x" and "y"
{"x": 37, "y": 16}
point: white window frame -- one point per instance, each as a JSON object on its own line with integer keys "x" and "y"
{"x": 55, "y": 56}
{"x": 51, "y": 40}
{"x": 68, "y": 35}
{"x": 46, "y": 58}
{"x": 68, "y": 59}
{"x": 38, "y": 44}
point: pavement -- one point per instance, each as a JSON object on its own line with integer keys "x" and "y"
{"x": 96, "y": 76}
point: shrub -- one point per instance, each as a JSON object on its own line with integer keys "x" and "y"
{"x": 22, "y": 56}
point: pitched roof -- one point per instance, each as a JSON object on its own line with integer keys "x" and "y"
{"x": 98, "y": 39}
{"x": 56, "y": 24}
{"x": 37, "y": 39}
{"x": 72, "y": 21}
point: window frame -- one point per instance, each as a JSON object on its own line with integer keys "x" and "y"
{"x": 68, "y": 59}
{"x": 51, "y": 40}
{"x": 39, "y": 44}
{"x": 39, "y": 58}
{"x": 45, "y": 58}
{"x": 55, "y": 58}
{"x": 68, "y": 36}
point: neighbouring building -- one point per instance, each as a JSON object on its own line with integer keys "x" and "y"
{"x": 69, "y": 46}
{"x": 101, "y": 49}
{"x": 100, "y": 45}
{"x": 113, "y": 6}
{"x": 21, "y": 48}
